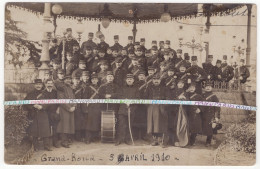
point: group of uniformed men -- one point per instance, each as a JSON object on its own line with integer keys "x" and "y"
{"x": 101, "y": 71}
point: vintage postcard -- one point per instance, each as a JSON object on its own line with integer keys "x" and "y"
{"x": 130, "y": 83}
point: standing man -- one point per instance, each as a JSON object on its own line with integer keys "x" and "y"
{"x": 198, "y": 75}
{"x": 227, "y": 71}
{"x": 102, "y": 44}
{"x": 217, "y": 71}
{"x": 208, "y": 67}
{"x": 130, "y": 44}
{"x": 119, "y": 72}
{"x": 89, "y": 42}
{"x": 78, "y": 114}
{"x": 243, "y": 73}
{"x": 156, "y": 115}
{"x": 92, "y": 112}
{"x": 40, "y": 126}
{"x": 194, "y": 113}
{"x": 103, "y": 71}
{"x": 54, "y": 118}
{"x": 178, "y": 60}
{"x": 142, "y": 44}
{"x": 117, "y": 45}
{"x": 70, "y": 41}
{"x": 210, "y": 113}
{"x": 66, "y": 125}
{"x": 129, "y": 91}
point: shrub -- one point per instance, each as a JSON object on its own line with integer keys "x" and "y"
{"x": 242, "y": 137}
{"x": 16, "y": 123}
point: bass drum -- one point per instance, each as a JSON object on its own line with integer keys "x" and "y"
{"x": 108, "y": 129}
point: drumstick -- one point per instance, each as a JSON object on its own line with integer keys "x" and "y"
{"x": 128, "y": 108}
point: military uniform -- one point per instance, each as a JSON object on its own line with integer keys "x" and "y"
{"x": 119, "y": 73}
{"x": 128, "y": 92}
{"x": 208, "y": 114}
{"x": 51, "y": 110}
{"x": 78, "y": 114}
{"x": 88, "y": 43}
{"x": 216, "y": 72}
{"x": 40, "y": 126}
{"x": 70, "y": 67}
{"x": 194, "y": 117}
{"x": 227, "y": 71}
{"x": 156, "y": 114}
{"x": 92, "y": 111}
{"x": 198, "y": 75}
{"x": 172, "y": 111}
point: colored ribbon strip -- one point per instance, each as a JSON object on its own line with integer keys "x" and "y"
{"x": 130, "y": 101}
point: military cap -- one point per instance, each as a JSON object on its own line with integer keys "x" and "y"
{"x": 147, "y": 51}
{"x": 131, "y": 51}
{"x": 68, "y": 29}
{"x": 179, "y": 51}
{"x": 75, "y": 76}
{"x": 82, "y": 62}
{"x": 135, "y": 58}
{"x": 37, "y": 80}
{"x": 110, "y": 47}
{"x": 91, "y": 34}
{"x": 67, "y": 77}
{"x": 138, "y": 49}
{"x": 183, "y": 65}
{"x": 154, "y": 42}
{"x": 224, "y": 57}
{"x": 154, "y": 48}
{"x": 210, "y": 56}
{"x": 163, "y": 63}
{"x": 94, "y": 47}
{"x": 115, "y": 49}
{"x": 156, "y": 76}
{"x": 137, "y": 43}
{"x": 142, "y": 40}
{"x": 167, "y": 42}
{"x": 181, "y": 81}
{"x": 110, "y": 73}
{"x": 61, "y": 71}
{"x": 118, "y": 59}
{"x": 130, "y": 75}
{"x": 101, "y": 36}
{"x": 85, "y": 73}
{"x": 116, "y": 37}
{"x": 57, "y": 61}
{"x": 54, "y": 40}
{"x": 219, "y": 61}
{"x": 242, "y": 60}
{"x": 103, "y": 62}
{"x": 186, "y": 56}
{"x": 209, "y": 83}
{"x": 193, "y": 58}
{"x": 166, "y": 52}
{"x": 151, "y": 68}
{"x": 130, "y": 38}
{"x": 88, "y": 48}
{"x": 172, "y": 68}
{"x": 102, "y": 50}
{"x": 161, "y": 42}
{"x": 141, "y": 72}
{"x": 94, "y": 75}
{"x": 192, "y": 84}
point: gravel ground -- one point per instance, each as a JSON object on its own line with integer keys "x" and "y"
{"x": 142, "y": 153}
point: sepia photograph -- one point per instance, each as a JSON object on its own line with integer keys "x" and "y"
{"x": 150, "y": 84}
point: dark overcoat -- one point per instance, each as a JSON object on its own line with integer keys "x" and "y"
{"x": 157, "y": 118}
{"x": 40, "y": 126}
{"x": 208, "y": 113}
